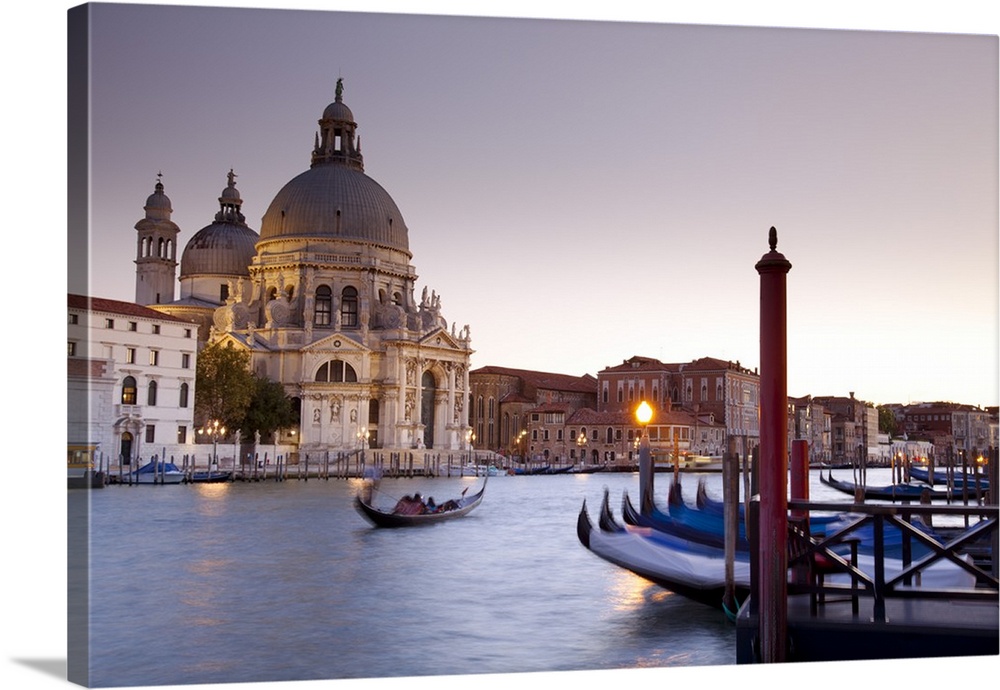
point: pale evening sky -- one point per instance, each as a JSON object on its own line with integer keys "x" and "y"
{"x": 621, "y": 174}
{"x": 582, "y": 191}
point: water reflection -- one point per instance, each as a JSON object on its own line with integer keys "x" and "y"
{"x": 251, "y": 582}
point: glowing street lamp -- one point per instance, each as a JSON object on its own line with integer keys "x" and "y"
{"x": 581, "y": 442}
{"x": 643, "y": 414}
{"x": 215, "y": 429}
{"x": 521, "y": 444}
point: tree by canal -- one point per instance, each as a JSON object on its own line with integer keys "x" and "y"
{"x": 269, "y": 410}
{"x": 887, "y": 421}
{"x": 227, "y": 391}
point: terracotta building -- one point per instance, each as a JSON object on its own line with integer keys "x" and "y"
{"x": 503, "y": 399}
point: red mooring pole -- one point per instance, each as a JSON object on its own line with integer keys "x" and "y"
{"x": 773, "y": 474}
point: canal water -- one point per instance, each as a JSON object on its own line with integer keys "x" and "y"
{"x": 284, "y": 581}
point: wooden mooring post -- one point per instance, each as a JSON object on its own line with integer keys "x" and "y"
{"x": 773, "y": 269}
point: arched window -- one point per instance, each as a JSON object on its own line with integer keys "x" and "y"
{"x": 349, "y": 307}
{"x": 610, "y": 435}
{"x": 183, "y": 402}
{"x": 128, "y": 391}
{"x": 151, "y": 394}
{"x": 324, "y": 306}
{"x": 336, "y": 371}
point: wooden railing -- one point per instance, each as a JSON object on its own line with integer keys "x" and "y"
{"x": 812, "y": 559}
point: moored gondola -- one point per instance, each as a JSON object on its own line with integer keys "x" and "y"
{"x": 210, "y": 476}
{"x": 891, "y": 492}
{"x": 413, "y": 515}
{"x": 698, "y": 571}
{"x": 958, "y": 478}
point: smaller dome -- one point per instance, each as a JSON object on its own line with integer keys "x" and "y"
{"x": 158, "y": 204}
{"x": 230, "y": 193}
{"x": 219, "y": 249}
{"x": 338, "y": 111}
{"x": 158, "y": 199}
{"x": 227, "y": 246}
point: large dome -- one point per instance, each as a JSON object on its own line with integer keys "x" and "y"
{"x": 335, "y": 201}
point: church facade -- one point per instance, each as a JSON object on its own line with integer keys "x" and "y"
{"x": 324, "y": 300}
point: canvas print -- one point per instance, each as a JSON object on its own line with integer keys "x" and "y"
{"x": 411, "y": 346}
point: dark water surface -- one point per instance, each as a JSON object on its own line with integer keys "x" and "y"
{"x": 281, "y": 581}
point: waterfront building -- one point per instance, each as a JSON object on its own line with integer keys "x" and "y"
{"x": 131, "y": 381}
{"x": 214, "y": 259}
{"x": 323, "y": 300}
{"x": 560, "y": 419}
{"x": 905, "y": 450}
{"x": 612, "y": 437}
{"x": 808, "y": 420}
{"x": 503, "y": 400}
{"x": 854, "y": 428}
{"x": 953, "y": 428}
{"x": 712, "y": 391}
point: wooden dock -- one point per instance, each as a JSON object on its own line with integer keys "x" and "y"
{"x": 876, "y": 617}
{"x": 913, "y": 628}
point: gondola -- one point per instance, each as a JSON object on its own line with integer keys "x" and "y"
{"x": 698, "y": 571}
{"x": 959, "y": 478}
{"x": 448, "y": 510}
{"x": 588, "y": 469}
{"x": 706, "y": 526}
{"x": 544, "y": 469}
{"x": 692, "y": 570}
{"x": 709, "y": 531}
{"x": 891, "y": 492}
{"x": 210, "y": 476}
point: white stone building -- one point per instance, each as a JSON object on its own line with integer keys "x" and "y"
{"x": 324, "y": 301}
{"x": 131, "y": 381}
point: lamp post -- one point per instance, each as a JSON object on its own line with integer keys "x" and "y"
{"x": 643, "y": 414}
{"x": 581, "y": 442}
{"x": 215, "y": 429}
{"x": 520, "y": 442}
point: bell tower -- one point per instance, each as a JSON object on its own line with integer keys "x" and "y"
{"x": 156, "y": 250}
